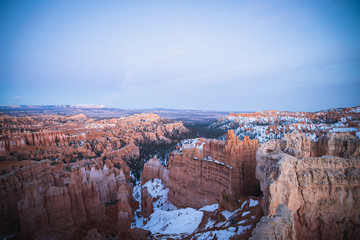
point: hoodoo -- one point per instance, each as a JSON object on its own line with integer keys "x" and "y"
{"x": 202, "y": 171}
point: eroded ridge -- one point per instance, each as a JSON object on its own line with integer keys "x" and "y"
{"x": 204, "y": 171}
{"x": 322, "y": 192}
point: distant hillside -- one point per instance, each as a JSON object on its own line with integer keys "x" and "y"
{"x": 100, "y": 111}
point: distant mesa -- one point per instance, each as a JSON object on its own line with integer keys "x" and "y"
{"x": 89, "y": 106}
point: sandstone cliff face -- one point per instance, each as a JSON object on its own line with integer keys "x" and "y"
{"x": 86, "y": 182}
{"x": 277, "y": 227}
{"x": 322, "y": 192}
{"x": 74, "y": 138}
{"x": 154, "y": 169}
{"x": 203, "y": 170}
{"x": 146, "y": 203}
{"x": 299, "y": 145}
{"x": 63, "y": 198}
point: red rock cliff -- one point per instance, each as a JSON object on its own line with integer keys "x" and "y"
{"x": 203, "y": 170}
{"x": 64, "y": 198}
{"x": 154, "y": 169}
{"x": 322, "y": 192}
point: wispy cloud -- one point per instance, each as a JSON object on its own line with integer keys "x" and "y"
{"x": 17, "y": 98}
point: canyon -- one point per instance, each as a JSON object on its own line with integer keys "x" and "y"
{"x": 268, "y": 175}
{"x": 204, "y": 171}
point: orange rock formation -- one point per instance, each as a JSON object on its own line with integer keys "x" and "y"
{"x": 154, "y": 169}
{"x": 64, "y": 198}
{"x": 75, "y": 138}
{"x": 322, "y": 192}
{"x": 85, "y": 184}
{"x": 206, "y": 171}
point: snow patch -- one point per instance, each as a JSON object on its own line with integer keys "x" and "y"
{"x": 245, "y": 213}
{"x": 253, "y": 203}
{"x": 356, "y": 110}
{"x": 344, "y": 130}
{"x": 222, "y": 234}
{"x": 180, "y": 221}
{"x": 156, "y": 189}
{"x": 226, "y": 214}
{"x": 210, "y": 208}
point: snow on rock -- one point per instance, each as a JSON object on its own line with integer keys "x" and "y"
{"x": 210, "y": 224}
{"x": 169, "y": 222}
{"x": 222, "y": 234}
{"x": 192, "y": 143}
{"x": 265, "y": 126}
{"x": 245, "y": 213}
{"x": 210, "y": 208}
{"x": 356, "y": 110}
{"x": 313, "y": 137}
{"x": 182, "y": 221}
{"x": 157, "y": 190}
{"x": 253, "y": 203}
{"x": 226, "y": 214}
{"x": 344, "y": 130}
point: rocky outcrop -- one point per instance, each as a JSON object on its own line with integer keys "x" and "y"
{"x": 154, "y": 169}
{"x": 277, "y": 227}
{"x": 203, "y": 170}
{"x": 322, "y": 192}
{"x": 74, "y": 138}
{"x": 146, "y": 203}
{"x": 64, "y": 198}
{"x": 124, "y": 212}
{"x": 339, "y": 144}
{"x": 93, "y": 234}
{"x": 85, "y": 183}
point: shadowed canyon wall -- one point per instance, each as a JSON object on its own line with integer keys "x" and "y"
{"x": 66, "y": 198}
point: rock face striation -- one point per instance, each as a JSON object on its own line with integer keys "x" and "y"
{"x": 66, "y": 198}
{"x": 153, "y": 169}
{"x": 71, "y": 138}
{"x": 85, "y": 182}
{"x": 322, "y": 192}
{"x": 277, "y": 227}
{"x": 204, "y": 171}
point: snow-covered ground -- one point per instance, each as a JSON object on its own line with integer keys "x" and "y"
{"x": 167, "y": 219}
{"x": 190, "y": 143}
{"x": 170, "y": 222}
{"x": 183, "y": 221}
{"x": 157, "y": 190}
{"x": 221, "y": 234}
{"x": 262, "y": 128}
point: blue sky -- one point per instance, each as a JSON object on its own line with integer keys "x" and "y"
{"x": 211, "y": 55}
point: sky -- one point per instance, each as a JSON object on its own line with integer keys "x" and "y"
{"x": 209, "y": 55}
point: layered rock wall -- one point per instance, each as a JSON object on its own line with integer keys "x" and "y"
{"x": 154, "y": 169}
{"x": 203, "y": 170}
{"x": 74, "y": 138}
{"x": 322, "y": 192}
{"x": 277, "y": 227}
{"x": 63, "y": 198}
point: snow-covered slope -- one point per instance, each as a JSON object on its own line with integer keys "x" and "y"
{"x": 268, "y": 125}
{"x": 170, "y": 222}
